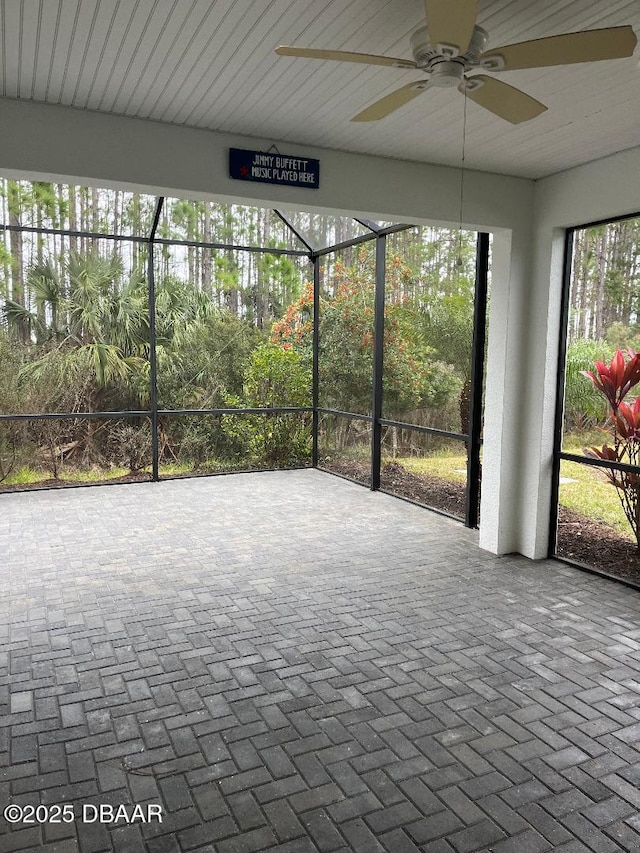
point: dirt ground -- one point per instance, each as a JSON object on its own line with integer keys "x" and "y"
{"x": 430, "y": 491}
{"x": 583, "y": 540}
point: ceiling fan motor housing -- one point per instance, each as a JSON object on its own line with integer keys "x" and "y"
{"x": 424, "y": 52}
{"x": 421, "y": 48}
{"x": 477, "y": 44}
{"x": 447, "y": 73}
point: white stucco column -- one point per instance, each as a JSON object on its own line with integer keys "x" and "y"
{"x": 506, "y": 366}
{"x": 539, "y": 400}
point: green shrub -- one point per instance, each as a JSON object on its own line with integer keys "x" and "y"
{"x": 129, "y": 446}
{"x": 275, "y": 377}
{"x": 584, "y": 407}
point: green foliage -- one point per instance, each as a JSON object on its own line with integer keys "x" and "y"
{"x": 346, "y": 349}
{"x": 129, "y": 445}
{"x": 91, "y": 377}
{"x": 203, "y": 361}
{"x": 413, "y": 377}
{"x": 227, "y": 274}
{"x": 9, "y": 448}
{"x": 274, "y": 378}
{"x": 584, "y": 407}
{"x": 280, "y": 268}
{"x": 449, "y": 330}
{"x": 200, "y": 443}
{"x": 12, "y": 358}
{"x": 621, "y": 336}
{"x": 80, "y": 326}
{"x": 202, "y": 367}
{"x": 184, "y": 214}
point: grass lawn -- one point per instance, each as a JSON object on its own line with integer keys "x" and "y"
{"x": 592, "y": 495}
{"x": 26, "y": 475}
{"x": 589, "y": 493}
{"x": 451, "y": 467}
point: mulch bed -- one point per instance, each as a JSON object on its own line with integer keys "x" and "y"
{"x": 580, "y": 539}
{"x": 429, "y": 491}
{"x": 594, "y": 544}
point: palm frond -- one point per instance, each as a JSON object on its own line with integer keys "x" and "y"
{"x": 17, "y": 313}
{"x": 106, "y": 360}
{"x": 45, "y": 284}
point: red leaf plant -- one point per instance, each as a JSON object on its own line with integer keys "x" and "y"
{"x": 614, "y": 382}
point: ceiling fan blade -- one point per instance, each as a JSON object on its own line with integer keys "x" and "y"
{"x": 501, "y": 99}
{"x": 344, "y": 56}
{"x": 587, "y": 46}
{"x": 385, "y": 106}
{"x": 451, "y": 22}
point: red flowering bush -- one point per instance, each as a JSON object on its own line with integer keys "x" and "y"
{"x": 614, "y": 382}
{"x": 412, "y": 378}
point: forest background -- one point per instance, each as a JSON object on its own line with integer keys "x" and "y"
{"x": 234, "y": 331}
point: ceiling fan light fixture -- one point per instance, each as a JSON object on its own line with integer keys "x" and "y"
{"x": 447, "y": 74}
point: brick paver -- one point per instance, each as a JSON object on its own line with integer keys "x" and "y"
{"x": 288, "y": 662}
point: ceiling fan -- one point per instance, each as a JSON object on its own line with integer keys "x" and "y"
{"x": 452, "y": 45}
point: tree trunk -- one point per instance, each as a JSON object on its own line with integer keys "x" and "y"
{"x": 206, "y": 253}
{"x": 263, "y": 283}
{"x": 95, "y": 210}
{"x": 21, "y": 326}
{"x": 73, "y": 219}
{"x": 116, "y": 212}
{"x": 601, "y": 266}
{"x": 232, "y": 264}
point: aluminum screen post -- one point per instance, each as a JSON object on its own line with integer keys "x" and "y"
{"x": 378, "y": 361}
{"x": 474, "y": 428}
{"x": 153, "y": 362}
{"x": 316, "y": 359}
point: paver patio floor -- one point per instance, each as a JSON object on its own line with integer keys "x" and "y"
{"x": 289, "y": 662}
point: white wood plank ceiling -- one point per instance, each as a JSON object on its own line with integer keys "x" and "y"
{"x": 211, "y": 64}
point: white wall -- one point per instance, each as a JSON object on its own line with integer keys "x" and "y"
{"x": 45, "y": 140}
{"x": 599, "y": 190}
{"x": 503, "y": 424}
{"x": 58, "y": 143}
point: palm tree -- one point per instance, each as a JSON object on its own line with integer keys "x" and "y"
{"x": 91, "y": 328}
